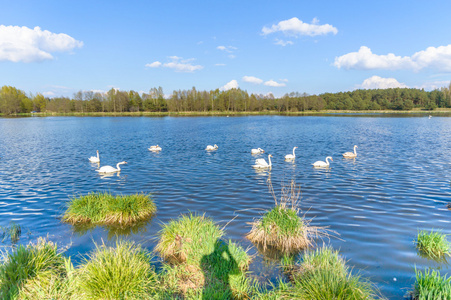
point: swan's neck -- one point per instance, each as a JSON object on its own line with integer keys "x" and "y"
{"x": 293, "y": 151}
{"x": 117, "y": 166}
{"x": 355, "y": 151}
{"x": 269, "y": 159}
{"x": 97, "y": 154}
{"x": 327, "y": 160}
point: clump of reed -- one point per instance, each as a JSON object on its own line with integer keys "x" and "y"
{"x": 13, "y": 231}
{"x": 199, "y": 263}
{"x": 33, "y": 270}
{"x": 323, "y": 274}
{"x": 106, "y": 209}
{"x": 282, "y": 227}
{"x": 121, "y": 272}
{"x": 432, "y": 244}
{"x": 431, "y": 285}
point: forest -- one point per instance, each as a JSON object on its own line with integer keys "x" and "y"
{"x": 15, "y": 101}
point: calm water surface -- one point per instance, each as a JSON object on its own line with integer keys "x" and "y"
{"x": 399, "y": 183}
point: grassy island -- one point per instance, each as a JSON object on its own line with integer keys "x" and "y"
{"x": 433, "y": 244}
{"x": 107, "y": 209}
{"x": 199, "y": 263}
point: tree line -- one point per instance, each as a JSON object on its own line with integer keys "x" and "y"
{"x": 15, "y": 101}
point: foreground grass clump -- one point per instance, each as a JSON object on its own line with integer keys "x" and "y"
{"x": 433, "y": 244}
{"x": 200, "y": 263}
{"x": 323, "y": 274}
{"x": 107, "y": 209}
{"x": 282, "y": 227}
{"x": 123, "y": 272}
{"x": 27, "y": 266}
{"x": 431, "y": 285}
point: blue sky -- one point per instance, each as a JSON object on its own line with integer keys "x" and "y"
{"x": 60, "y": 47}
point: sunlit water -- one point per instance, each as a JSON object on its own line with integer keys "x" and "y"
{"x": 399, "y": 183}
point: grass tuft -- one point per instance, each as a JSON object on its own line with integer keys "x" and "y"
{"x": 106, "y": 209}
{"x": 28, "y": 262}
{"x": 13, "y": 231}
{"x": 282, "y": 227}
{"x": 432, "y": 244}
{"x": 199, "y": 262}
{"x": 123, "y": 272}
{"x": 430, "y": 285}
{"x": 323, "y": 274}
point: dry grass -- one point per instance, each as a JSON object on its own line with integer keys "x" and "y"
{"x": 282, "y": 227}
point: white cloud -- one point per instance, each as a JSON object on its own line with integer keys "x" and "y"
{"x": 22, "y": 44}
{"x": 377, "y": 82}
{"x": 228, "y": 49}
{"x": 252, "y": 79}
{"x": 283, "y": 43}
{"x": 48, "y": 94}
{"x": 233, "y": 84}
{"x": 155, "y": 64}
{"x": 220, "y": 65}
{"x": 434, "y": 85}
{"x": 178, "y": 64}
{"x": 274, "y": 83}
{"x": 435, "y": 58}
{"x": 295, "y": 27}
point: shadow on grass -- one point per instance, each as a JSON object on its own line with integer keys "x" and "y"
{"x": 218, "y": 266}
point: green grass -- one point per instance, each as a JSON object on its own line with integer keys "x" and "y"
{"x": 13, "y": 231}
{"x": 199, "y": 263}
{"x": 106, "y": 209}
{"x": 122, "y": 272}
{"x": 432, "y": 244}
{"x": 323, "y": 274}
{"x": 26, "y": 263}
{"x": 430, "y": 285}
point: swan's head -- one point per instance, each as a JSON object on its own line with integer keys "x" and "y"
{"x": 122, "y": 163}
{"x": 330, "y": 157}
{"x": 270, "y": 155}
{"x": 355, "y": 146}
{"x": 295, "y": 147}
{"x": 216, "y": 146}
{"x": 97, "y": 151}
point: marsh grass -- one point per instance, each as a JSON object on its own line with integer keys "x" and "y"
{"x": 199, "y": 263}
{"x": 26, "y": 263}
{"x": 13, "y": 231}
{"x": 431, "y": 285}
{"x": 106, "y": 209}
{"x": 282, "y": 227}
{"x": 432, "y": 244}
{"x": 121, "y": 272}
{"x": 323, "y": 274}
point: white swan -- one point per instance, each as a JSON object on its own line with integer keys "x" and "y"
{"x": 257, "y": 151}
{"x": 95, "y": 159}
{"x": 262, "y": 164}
{"x": 110, "y": 169}
{"x": 291, "y": 156}
{"x": 321, "y": 164}
{"x": 211, "y": 148}
{"x": 351, "y": 154}
{"x": 155, "y": 148}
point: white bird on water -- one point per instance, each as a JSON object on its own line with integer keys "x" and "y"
{"x": 211, "y": 148}
{"x": 155, "y": 148}
{"x": 257, "y": 151}
{"x": 351, "y": 154}
{"x": 110, "y": 169}
{"x": 291, "y": 156}
{"x": 95, "y": 159}
{"x": 262, "y": 164}
{"x": 321, "y": 164}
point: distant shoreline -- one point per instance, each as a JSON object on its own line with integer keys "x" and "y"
{"x": 229, "y": 113}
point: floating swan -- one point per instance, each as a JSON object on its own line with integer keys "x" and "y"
{"x": 211, "y": 148}
{"x": 155, "y": 148}
{"x": 262, "y": 164}
{"x": 257, "y": 151}
{"x": 321, "y": 164}
{"x": 291, "y": 156}
{"x": 95, "y": 159}
{"x": 351, "y": 154}
{"x": 110, "y": 169}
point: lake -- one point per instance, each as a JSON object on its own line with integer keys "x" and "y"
{"x": 399, "y": 182}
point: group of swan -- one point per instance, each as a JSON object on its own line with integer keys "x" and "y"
{"x": 105, "y": 169}
{"x": 262, "y": 164}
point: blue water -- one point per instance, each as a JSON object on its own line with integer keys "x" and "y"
{"x": 398, "y": 184}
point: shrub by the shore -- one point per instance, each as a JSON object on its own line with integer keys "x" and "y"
{"x": 27, "y": 265}
{"x": 433, "y": 244}
{"x": 430, "y": 285}
{"x": 107, "y": 209}
{"x": 282, "y": 227}
{"x": 199, "y": 262}
{"x": 123, "y": 272}
{"x": 323, "y": 274}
